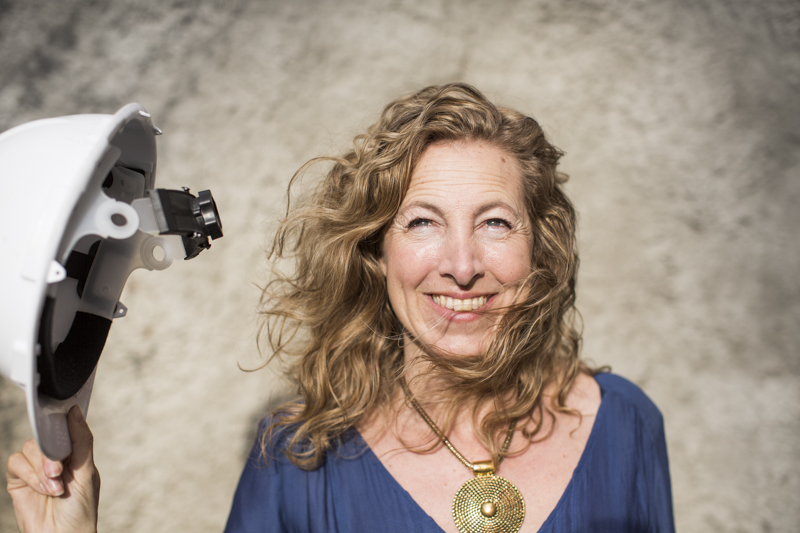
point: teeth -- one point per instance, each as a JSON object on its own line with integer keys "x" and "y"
{"x": 460, "y": 305}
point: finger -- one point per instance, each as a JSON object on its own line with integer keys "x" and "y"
{"x": 81, "y": 461}
{"x": 20, "y": 474}
{"x": 51, "y": 469}
{"x": 41, "y": 465}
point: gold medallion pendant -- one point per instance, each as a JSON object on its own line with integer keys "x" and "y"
{"x": 489, "y": 504}
{"x": 486, "y": 503}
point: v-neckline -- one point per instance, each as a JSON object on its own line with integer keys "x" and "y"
{"x": 561, "y": 501}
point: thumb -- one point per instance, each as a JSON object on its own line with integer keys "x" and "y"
{"x": 81, "y": 461}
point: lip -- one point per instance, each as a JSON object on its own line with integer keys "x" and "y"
{"x": 460, "y": 316}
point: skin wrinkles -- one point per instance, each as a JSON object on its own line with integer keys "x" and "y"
{"x": 462, "y": 232}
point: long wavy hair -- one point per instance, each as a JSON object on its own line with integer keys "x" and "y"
{"x": 330, "y": 319}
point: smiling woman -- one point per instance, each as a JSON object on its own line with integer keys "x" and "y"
{"x": 428, "y": 324}
{"x": 429, "y": 321}
{"x": 428, "y": 191}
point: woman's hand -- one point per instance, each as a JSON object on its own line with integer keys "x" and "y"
{"x": 55, "y": 497}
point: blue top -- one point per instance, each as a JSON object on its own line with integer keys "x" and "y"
{"x": 621, "y": 483}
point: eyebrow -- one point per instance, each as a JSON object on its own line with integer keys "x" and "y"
{"x": 488, "y": 207}
{"x": 423, "y": 205}
{"x": 481, "y": 210}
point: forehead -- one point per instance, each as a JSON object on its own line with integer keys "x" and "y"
{"x": 466, "y": 169}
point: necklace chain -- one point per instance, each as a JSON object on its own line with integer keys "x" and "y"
{"x": 486, "y": 503}
{"x": 446, "y": 441}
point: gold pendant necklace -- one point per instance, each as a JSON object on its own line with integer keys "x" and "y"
{"x": 486, "y": 503}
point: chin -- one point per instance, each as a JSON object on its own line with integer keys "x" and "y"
{"x": 460, "y": 351}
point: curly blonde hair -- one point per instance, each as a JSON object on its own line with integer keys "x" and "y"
{"x": 331, "y": 320}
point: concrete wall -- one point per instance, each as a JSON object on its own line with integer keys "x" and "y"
{"x": 679, "y": 119}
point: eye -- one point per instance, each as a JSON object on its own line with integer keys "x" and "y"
{"x": 498, "y": 223}
{"x": 420, "y": 222}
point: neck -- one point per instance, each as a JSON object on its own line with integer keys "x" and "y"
{"x": 433, "y": 392}
{"x": 425, "y": 382}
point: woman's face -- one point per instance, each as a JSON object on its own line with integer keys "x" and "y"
{"x": 461, "y": 242}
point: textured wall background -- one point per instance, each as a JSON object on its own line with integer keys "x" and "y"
{"x": 680, "y": 122}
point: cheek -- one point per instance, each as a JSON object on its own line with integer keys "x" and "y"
{"x": 510, "y": 262}
{"x": 408, "y": 265}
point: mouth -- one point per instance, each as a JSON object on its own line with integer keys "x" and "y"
{"x": 454, "y": 304}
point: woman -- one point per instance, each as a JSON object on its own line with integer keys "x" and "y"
{"x": 429, "y": 320}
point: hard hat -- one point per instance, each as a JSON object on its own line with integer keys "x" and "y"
{"x": 80, "y": 213}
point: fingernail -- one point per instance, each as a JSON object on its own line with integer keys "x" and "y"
{"x": 54, "y": 487}
{"x": 52, "y": 469}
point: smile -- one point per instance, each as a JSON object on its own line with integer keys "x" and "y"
{"x": 460, "y": 305}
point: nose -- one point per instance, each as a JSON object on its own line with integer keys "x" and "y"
{"x": 461, "y": 260}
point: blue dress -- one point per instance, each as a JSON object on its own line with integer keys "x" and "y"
{"x": 621, "y": 483}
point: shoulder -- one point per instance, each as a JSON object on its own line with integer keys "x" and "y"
{"x": 273, "y": 490}
{"x": 627, "y": 439}
{"x": 274, "y": 438}
{"x": 624, "y": 398}
{"x": 619, "y": 387}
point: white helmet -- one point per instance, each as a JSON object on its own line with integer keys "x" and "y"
{"x": 80, "y": 213}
